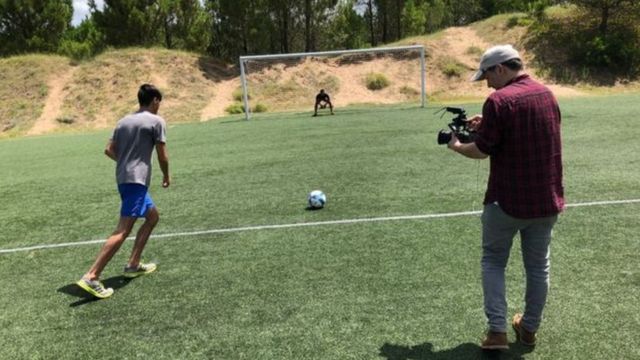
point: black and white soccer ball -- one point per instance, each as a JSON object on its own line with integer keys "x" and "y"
{"x": 316, "y": 199}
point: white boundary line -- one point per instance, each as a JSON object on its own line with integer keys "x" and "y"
{"x": 294, "y": 225}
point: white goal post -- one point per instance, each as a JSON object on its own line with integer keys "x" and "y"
{"x": 245, "y": 59}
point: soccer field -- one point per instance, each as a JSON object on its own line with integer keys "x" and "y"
{"x": 389, "y": 269}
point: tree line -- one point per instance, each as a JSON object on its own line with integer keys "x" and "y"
{"x": 229, "y": 28}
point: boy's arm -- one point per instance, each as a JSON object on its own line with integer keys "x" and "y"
{"x": 163, "y": 160}
{"x": 110, "y": 150}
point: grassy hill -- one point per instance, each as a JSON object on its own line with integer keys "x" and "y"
{"x": 45, "y": 93}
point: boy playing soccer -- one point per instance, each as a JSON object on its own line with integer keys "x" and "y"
{"x": 131, "y": 147}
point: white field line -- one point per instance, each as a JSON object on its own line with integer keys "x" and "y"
{"x": 294, "y": 225}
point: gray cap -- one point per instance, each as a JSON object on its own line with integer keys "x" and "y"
{"x": 494, "y": 56}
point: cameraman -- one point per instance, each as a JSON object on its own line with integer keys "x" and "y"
{"x": 519, "y": 130}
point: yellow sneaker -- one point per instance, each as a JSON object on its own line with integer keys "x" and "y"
{"x": 141, "y": 269}
{"x": 95, "y": 288}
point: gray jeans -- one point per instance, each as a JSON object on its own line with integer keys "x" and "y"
{"x": 498, "y": 231}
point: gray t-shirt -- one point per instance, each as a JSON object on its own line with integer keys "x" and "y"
{"x": 135, "y": 137}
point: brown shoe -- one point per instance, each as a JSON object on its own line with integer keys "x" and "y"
{"x": 495, "y": 341}
{"x": 525, "y": 336}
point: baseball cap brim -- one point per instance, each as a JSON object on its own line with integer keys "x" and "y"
{"x": 479, "y": 75}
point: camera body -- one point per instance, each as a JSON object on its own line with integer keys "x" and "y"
{"x": 459, "y": 126}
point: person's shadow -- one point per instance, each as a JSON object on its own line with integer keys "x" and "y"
{"x": 115, "y": 282}
{"x": 466, "y": 351}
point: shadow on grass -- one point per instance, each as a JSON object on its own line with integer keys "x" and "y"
{"x": 466, "y": 351}
{"x": 115, "y": 282}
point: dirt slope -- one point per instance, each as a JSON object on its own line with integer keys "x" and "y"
{"x": 97, "y": 93}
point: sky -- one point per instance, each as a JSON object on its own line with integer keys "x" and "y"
{"x": 81, "y": 10}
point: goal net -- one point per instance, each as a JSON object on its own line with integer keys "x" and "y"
{"x": 289, "y": 82}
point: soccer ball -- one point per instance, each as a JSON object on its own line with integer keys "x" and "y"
{"x": 316, "y": 199}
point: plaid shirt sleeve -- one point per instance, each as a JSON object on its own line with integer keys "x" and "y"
{"x": 489, "y": 135}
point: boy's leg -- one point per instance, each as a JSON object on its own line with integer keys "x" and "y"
{"x": 315, "y": 109}
{"x": 151, "y": 220}
{"x": 331, "y": 107}
{"x": 111, "y": 247}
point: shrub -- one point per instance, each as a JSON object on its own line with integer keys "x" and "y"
{"x": 452, "y": 68}
{"x": 75, "y": 50}
{"x": 237, "y": 94}
{"x": 614, "y": 50}
{"x": 409, "y": 91}
{"x": 571, "y": 48}
{"x": 377, "y": 81}
{"x": 68, "y": 120}
{"x": 235, "y": 108}
{"x": 260, "y": 108}
{"x": 474, "y": 50}
{"x": 518, "y": 20}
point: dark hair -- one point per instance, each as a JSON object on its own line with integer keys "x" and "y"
{"x": 147, "y": 93}
{"x": 513, "y": 64}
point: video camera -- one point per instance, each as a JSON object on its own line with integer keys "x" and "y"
{"x": 459, "y": 126}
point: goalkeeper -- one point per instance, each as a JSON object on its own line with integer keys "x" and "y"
{"x": 322, "y": 100}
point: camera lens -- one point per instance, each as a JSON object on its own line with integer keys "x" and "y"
{"x": 444, "y": 137}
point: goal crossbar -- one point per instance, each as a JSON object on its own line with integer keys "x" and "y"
{"x": 244, "y": 59}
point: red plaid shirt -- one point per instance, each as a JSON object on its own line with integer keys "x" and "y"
{"x": 520, "y": 131}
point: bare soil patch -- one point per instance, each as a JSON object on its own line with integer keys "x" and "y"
{"x": 53, "y": 104}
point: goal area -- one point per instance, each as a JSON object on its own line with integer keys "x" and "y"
{"x": 289, "y": 82}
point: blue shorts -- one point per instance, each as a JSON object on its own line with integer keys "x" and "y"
{"x": 135, "y": 200}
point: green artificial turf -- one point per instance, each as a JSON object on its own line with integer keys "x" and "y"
{"x": 392, "y": 289}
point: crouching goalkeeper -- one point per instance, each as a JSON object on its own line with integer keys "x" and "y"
{"x": 322, "y": 100}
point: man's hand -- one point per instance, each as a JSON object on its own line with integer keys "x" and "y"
{"x": 454, "y": 143}
{"x": 474, "y": 122}
{"x": 469, "y": 150}
{"x": 166, "y": 181}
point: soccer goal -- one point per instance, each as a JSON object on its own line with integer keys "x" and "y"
{"x": 281, "y": 82}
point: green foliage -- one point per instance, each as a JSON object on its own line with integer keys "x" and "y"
{"x": 129, "y": 22}
{"x": 409, "y": 92}
{"x": 176, "y": 24}
{"x": 186, "y": 25}
{"x": 347, "y": 29}
{"x": 615, "y": 51}
{"x": 519, "y": 20}
{"x": 237, "y": 94}
{"x": 451, "y": 67}
{"x": 537, "y": 8}
{"x": 570, "y": 46}
{"x": 67, "y": 120}
{"x": 376, "y": 81}
{"x": 474, "y": 50}
{"x": 33, "y": 26}
{"x": 75, "y": 50}
{"x": 82, "y": 42}
{"x": 235, "y": 108}
{"x": 259, "y": 108}
{"x": 414, "y": 18}
{"x": 229, "y": 28}
{"x": 436, "y": 15}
